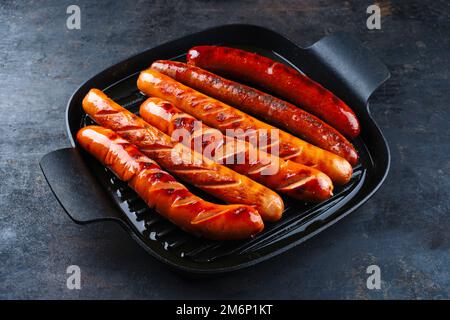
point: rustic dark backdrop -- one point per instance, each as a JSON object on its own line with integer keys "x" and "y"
{"x": 404, "y": 228}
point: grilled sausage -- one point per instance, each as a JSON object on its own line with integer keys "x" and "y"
{"x": 222, "y": 116}
{"x": 162, "y": 192}
{"x": 281, "y": 80}
{"x": 179, "y": 160}
{"x": 258, "y": 103}
{"x": 284, "y": 176}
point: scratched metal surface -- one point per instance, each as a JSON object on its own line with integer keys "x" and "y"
{"x": 404, "y": 228}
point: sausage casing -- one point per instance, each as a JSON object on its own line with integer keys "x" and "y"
{"x": 258, "y": 103}
{"x": 162, "y": 192}
{"x": 222, "y": 116}
{"x": 179, "y": 160}
{"x": 281, "y": 80}
{"x": 283, "y": 176}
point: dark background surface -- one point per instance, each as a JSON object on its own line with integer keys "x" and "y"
{"x": 404, "y": 228}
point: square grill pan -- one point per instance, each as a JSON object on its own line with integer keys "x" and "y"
{"x": 90, "y": 193}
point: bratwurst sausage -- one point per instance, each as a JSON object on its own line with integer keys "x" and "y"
{"x": 258, "y": 103}
{"x": 281, "y": 80}
{"x": 222, "y": 116}
{"x": 162, "y": 192}
{"x": 179, "y": 160}
{"x": 284, "y": 176}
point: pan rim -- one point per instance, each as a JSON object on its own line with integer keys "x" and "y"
{"x": 338, "y": 215}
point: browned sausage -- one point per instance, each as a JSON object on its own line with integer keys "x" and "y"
{"x": 162, "y": 192}
{"x": 222, "y": 116}
{"x": 280, "y": 79}
{"x": 282, "y": 113}
{"x": 179, "y": 160}
{"x": 284, "y": 176}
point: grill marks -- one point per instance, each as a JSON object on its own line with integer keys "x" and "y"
{"x": 178, "y": 159}
{"x": 259, "y": 168}
{"x": 296, "y": 185}
{"x": 216, "y": 114}
{"x": 228, "y": 148}
{"x": 223, "y": 116}
{"x": 134, "y": 168}
{"x": 145, "y": 169}
{"x": 239, "y": 155}
{"x": 222, "y": 185}
{"x": 163, "y": 193}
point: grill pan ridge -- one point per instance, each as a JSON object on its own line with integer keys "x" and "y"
{"x": 338, "y": 61}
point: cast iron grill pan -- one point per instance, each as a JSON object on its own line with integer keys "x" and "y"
{"x": 91, "y": 193}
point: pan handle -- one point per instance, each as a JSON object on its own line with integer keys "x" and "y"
{"x": 76, "y": 189}
{"x": 349, "y": 67}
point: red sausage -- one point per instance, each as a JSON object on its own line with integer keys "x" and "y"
{"x": 280, "y": 79}
{"x": 258, "y": 103}
{"x": 162, "y": 192}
